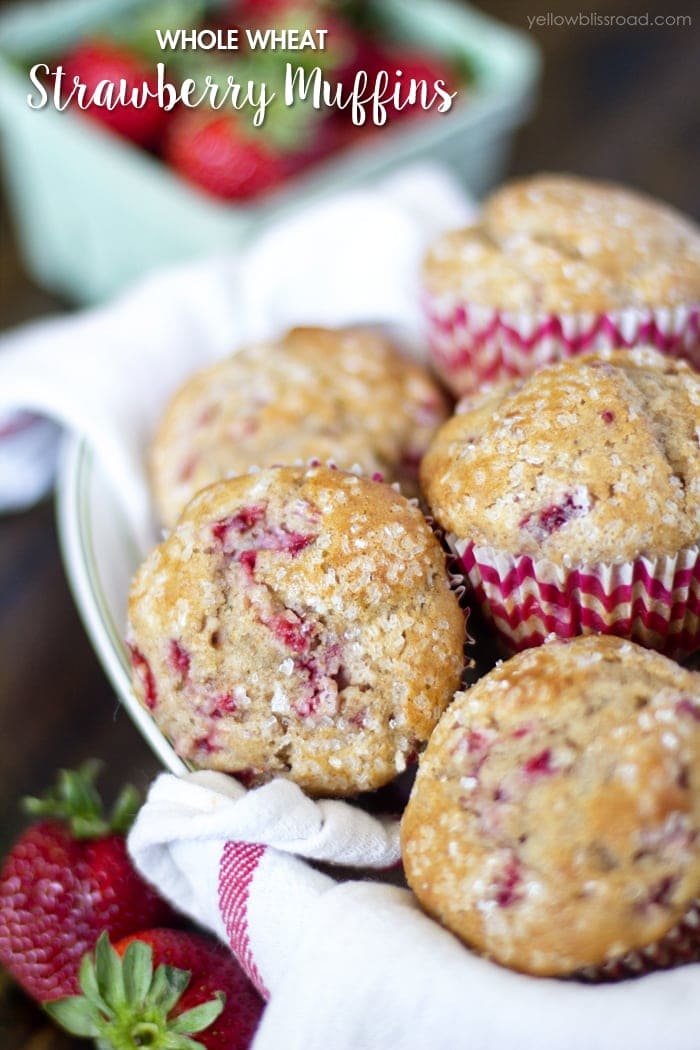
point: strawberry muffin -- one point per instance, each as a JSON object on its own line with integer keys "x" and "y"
{"x": 558, "y": 265}
{"x": 297, "y": 623}
{"x": 342, "y": 395}
{"x": 572, "y": 500}
{"x": 554, "y": 824}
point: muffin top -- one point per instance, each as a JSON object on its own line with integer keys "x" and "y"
{"x": 594, "y": 459}
{"x": 555, "y": 820}
{"x": 342, "y": 395}
{"x": 560, "y": 244}
{"x": 297, "y": 623}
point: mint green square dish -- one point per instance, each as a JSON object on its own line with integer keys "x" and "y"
{"x": 93, "y": 213}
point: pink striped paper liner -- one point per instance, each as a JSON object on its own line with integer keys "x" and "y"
{"x": 474, "y": 345}
{"x": 653, "y": 601}
{"x": 681, "y": 945}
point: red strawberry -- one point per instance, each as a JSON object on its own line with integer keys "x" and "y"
{"x": 416, "y": 65}
{"x": 219, "y": 154}
{"x": 413, "y": 65}
{"x": 269, "y": 10}
{"x": 197, "y": 989}
{"x": 67, "y": 879}
{"x": 330, "y": 136}
{"x": 94, "y": 61}
{"x": 362, "y": 54}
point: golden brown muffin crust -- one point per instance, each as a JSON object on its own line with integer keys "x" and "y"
{"x": 596, "y": 459}
{"x": 297, "y": 623}
{"x": 555, "y": 820}
{"x": 561, "y": 244}
{"x": 344, "y": 395}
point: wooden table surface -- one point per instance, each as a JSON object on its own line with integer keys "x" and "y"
{"x": 616, "y": 102}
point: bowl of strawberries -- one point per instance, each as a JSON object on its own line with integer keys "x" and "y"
{"x": 137, "y": 133}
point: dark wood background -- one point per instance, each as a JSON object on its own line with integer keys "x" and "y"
{"x": 616, "y": 102}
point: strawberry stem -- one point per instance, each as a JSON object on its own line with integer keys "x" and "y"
{"x": 75, "y": 800}
{"x": 145, "y": 1033}
{"x": 124, "y": 809}
{"x": 125, "y": 1004}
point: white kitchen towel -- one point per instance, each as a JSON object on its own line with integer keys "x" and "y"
{"x": 356, "y": 965}
{"x": 202, "y": 840}
{"x": 106, "y": 372}
{"x": 29, "y": 447}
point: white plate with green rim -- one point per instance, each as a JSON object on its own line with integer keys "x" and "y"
{"x": 100, "y": 557}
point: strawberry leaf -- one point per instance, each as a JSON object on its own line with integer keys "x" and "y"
{"x": 125, "y": 809}
{"x": 138, "y": 32}
{"x": 34, "y": 807}
{"x": 125, "y": 1005}
{"x": 88, "y": 827}
{"x": 87, "y": 979}
{"x": 76, "y": 787}
{"x": 75, "y": 800}
{"x": 199, "y": 1017}
{"x": 74, "y": 1014}
{"x": 90, "y": 769}
{"x": 108, "y": 970}
{"x": 181, "y": 1042}
{"x": 137, "y": 968}
{"x": 158, "y": 987}
{"x": 168, "y": 985}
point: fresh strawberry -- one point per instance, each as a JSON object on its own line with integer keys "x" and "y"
{"x": 330, "y": 137}
{"x": 401, "y": 66}
{"x": 412, "y": 65}
{"x": 269, "y": 10}
{"x": 220, "y": 154}
{"x": 94, "y": 61}
{"x": 197, "y": 989}
{"x": 65, "y": 880}
{"x": 362, "y": 54}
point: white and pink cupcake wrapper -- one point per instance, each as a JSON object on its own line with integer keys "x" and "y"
{"x": 680, "y": 946}
{"x": 475, "y": 345}
{"x": 653, "y": 601}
